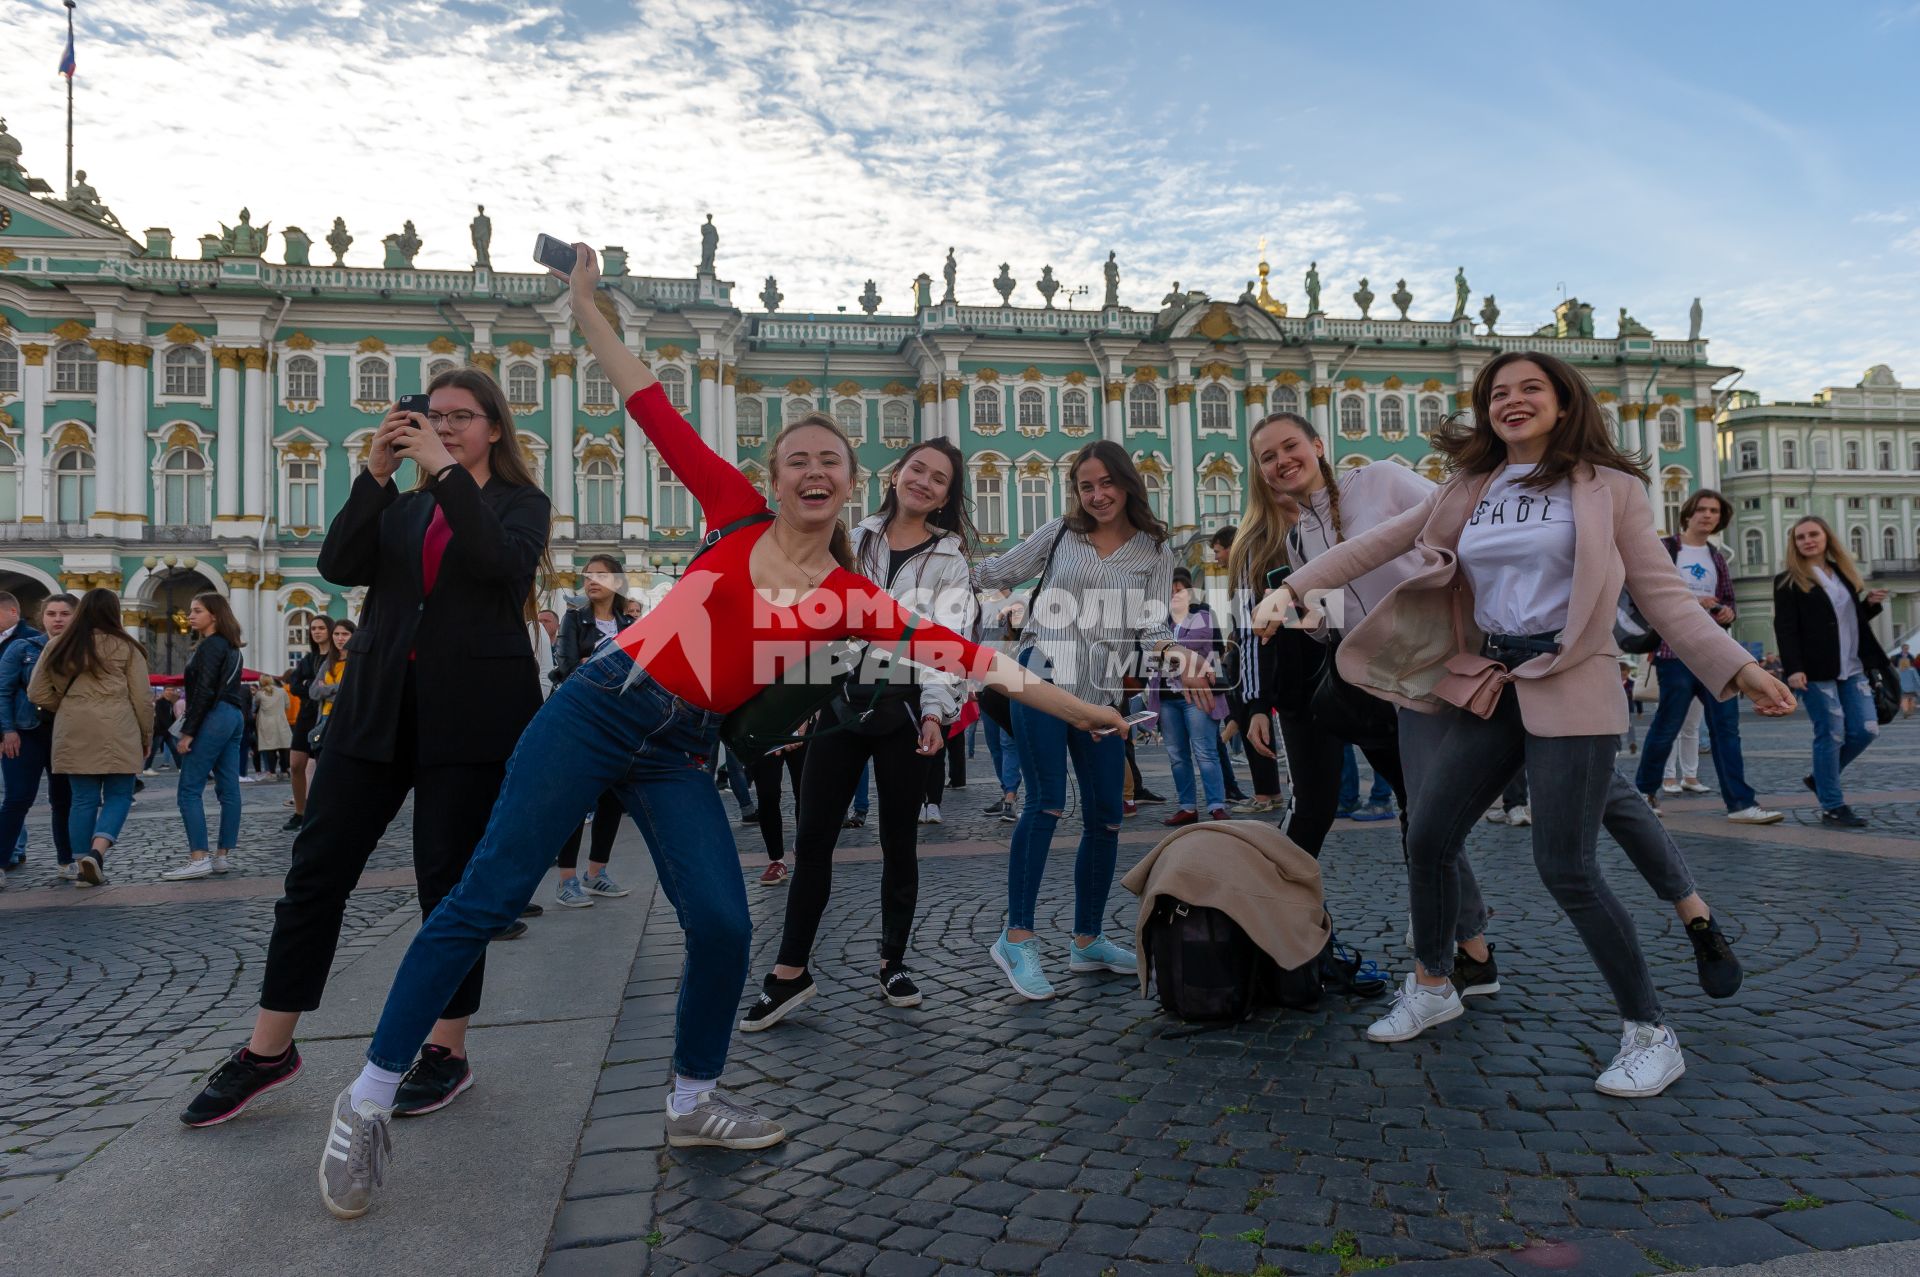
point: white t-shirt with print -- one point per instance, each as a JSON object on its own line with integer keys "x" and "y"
{"x": 1517, "y": 552}
{"x": 1840, "y": 594}
{"x": 1697, "y": 570}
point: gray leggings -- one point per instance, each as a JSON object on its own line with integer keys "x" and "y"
{"x": 1628, "y": 821}
{"x": 1464, "y": 763}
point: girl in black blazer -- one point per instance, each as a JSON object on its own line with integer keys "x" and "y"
{"x": 1820, "y": 615}
{"x": 440, "y": 681}
{"x": 602, "y": 616}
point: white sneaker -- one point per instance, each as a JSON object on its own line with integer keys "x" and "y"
{"x": 69, "y": 872}
{"x": 248, "y": 780}
{"x": 1416, "y": 1008}
{"x": 1520, "y": 816}
{"x": 1496, "y": 816}
{"x": 923, "y": 812}
{"x": 1649, "y": 1062}
{"x": 149, "y": 772}
{"x": 933, "y": 813}
{"x": 1756, "y": 815}
{"x": 1693, "y": 786}
{"x": 201, "y": 868}
{"x": 1670, "y": 787}
{"x": 222, "y": 863}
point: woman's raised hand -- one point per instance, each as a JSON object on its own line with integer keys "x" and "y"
{"x": 382, "y": 459}
{"x": 586, "y": 274}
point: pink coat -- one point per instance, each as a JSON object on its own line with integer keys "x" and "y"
{"x": 1420, "y": 648}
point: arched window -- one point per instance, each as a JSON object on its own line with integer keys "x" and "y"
{"x": 523, "y": 383}
{"x": 1032, "y": 407}
{"x": 183, "y": 372}
{"x": 1853, "y": 454}
{"x": 1035, "y": 507}
{"x": 1219, "y": 501}
{"x": 1670, "y": 432}
{"x": 1749, "y": 455}
{"x": 990, "y": 502}
{"x": 73, "y": 485}
{"x": 296, "y": 624}
{"x": 595, "y": 390}
{"x": 1789, "y": 454}
{"x": 896, "y": 422}
{"x": 9, "y": 484}
{"x": 1913, "y": 455}
{"x": 375, "y": 381}
{"x": 1285, "y": 399}
{"x": 1393, "y": 417}
{"x": 1143, "y": 407}
{"x": 986, "y": 406}
{"x": 1889, "y": 543}
{"x": 1673, "y": 496}
{"x": 1753, "y": 548}
{"x": 852, "y": 416}
{"x": 1883, "y": 454}
{"x": 1822, "y": 453}
{"x": 1216, "y": 407}
{"x": 795, "y": 409}
{"x": 438, "y": 366}
{"x": 674, "y": 382}
{"x": 1353, "y": 417}
{"x": 303, "y": 509}
{"x": 750, "y": 422}
{"x": 1857, "y": 542}
{"x": 9, "y": 369}
{"x": 1075, "y": 413}
{"x": 1430, "y": 414}
{"x": 74, "y": 369}
{"x": 599, "y": 492}
{"x": 183, "y": 487}
{"x": 303, "y": 377}
{"x": 672, "y": 506}
{"x": 1156, "y": 487}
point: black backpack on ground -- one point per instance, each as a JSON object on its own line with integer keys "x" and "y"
{"x": 1209, "y": 971}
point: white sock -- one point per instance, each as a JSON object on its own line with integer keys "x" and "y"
{"x": 687, "y": 1094}
{"x": 376, "y": 1084}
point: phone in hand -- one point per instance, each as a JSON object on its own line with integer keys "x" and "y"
{"x": 556, "y": 254}
{"x": 1277, "y": 577}
{"x": 413, "y": 403}
{"x": 1133, "y": 720}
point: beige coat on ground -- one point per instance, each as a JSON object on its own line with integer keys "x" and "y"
{"x": 270, "y": 720}
{"x": 103, "y": 720}
{"x": 1248, "y": 870}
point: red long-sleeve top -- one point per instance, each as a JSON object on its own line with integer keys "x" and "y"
{"x": 713, "y": 641}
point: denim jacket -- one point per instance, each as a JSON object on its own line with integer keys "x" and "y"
{"x": 17, "y": 713}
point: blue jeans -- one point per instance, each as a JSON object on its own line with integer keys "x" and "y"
{"x": 1006, "y": 759}
{"x": 216, "y": 751}
{"x": 1844, "y": 724}
{"x": 1678, "y": 689}
{"x": 1045, "y": 746}
{"x": 21, "y": 775}
{"x": 1381, "y": 793}
{"x": 1192, "y": 741}
{"x": 609, "y": 726}
{"x": 100, "y": 807}
{"x": 860, "y": 795}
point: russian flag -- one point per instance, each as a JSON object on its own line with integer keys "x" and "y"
{"x": 66, "y": 59}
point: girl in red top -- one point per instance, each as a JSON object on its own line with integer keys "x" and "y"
{"x": 641, "y": 718}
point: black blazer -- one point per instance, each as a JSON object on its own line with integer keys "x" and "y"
{"x": 475, "y": 679}
{"x": 578, "y": 637}
{"x": 1808, "y": 633}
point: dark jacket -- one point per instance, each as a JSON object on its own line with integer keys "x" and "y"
{"x": 475, "y": 681}
{"x": 1808, "y": 633}
{"x": 578, "y": 637}
{"x": 299, "y": 683}
{"x": 213, "y": 675}
{"x": 18, "y": 655}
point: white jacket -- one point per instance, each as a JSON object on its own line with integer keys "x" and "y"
{"x": 936, "y": 585}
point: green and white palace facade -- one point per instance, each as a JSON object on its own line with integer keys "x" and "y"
{"x": 171, "y": 423}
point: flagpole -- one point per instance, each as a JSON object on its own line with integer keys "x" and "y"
{"x": 69, "y": 4}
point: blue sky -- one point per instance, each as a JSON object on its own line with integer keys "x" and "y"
{"x": 1759, "y": 156}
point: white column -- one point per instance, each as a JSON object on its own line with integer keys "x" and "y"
{"x": 226, "y": 405}
{"x": 633, "y": 475}
{"x": 253, "y": 483}
{"x": 929, "y": 396}
{"x": 1115, "y": 419}
{"x": 33, "y": 435}
{"x": 1317, "y": 397}
{"x": 950, "y": 409}
{"x": 729, "y": 417}
{"x": 1180, "y": 412}
{"x": 709, "y": 369}
{"x": 560, "y": 441}
{"x": 135, "y": 466}
{"x": 110, "y": 455}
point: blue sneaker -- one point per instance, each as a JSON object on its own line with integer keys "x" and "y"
{"x": 1021, "y": 962}
{"x": 1102, "y": 955}
{"x": 571, "y": 894}
{"x": 601, "y": 885}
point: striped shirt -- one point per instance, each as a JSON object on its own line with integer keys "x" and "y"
{"x": 1092, "y": 615}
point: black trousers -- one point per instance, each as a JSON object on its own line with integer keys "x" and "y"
{"x": 766, "y": 796}
{"x": 349, "y": 807}
{"x": 834, "y": 764}
{"x": 1264, "y": 771}
{"x": 948, "y": 767}
{"x": 1315, "y": 758}
{"x": 607, "y": 815}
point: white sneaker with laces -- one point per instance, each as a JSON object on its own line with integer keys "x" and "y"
{"x": 201, "y": 868}
{"x": 1416, "y": 1008}
{"x": 69, "y": 872}
{"x": 1756, "y": 815}
{"x": 933, "y": 814}
{"x": 222, "y": 863}
{"x": 1649, "y": 1062}
{"x": 923, "y": 812}
{"x": 1520, "y": 816}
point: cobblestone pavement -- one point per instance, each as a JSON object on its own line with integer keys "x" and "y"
{"x": 1088, "y": 1135}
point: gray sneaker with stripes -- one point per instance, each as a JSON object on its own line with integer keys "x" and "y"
{"x": 354, "y": 1162}
{"x": 719, "y": 1122}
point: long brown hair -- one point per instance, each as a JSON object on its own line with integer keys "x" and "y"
{"x": 1261, "y": 541}
{"x": 339, "y": 650}
{"x": 225, "y": 623}
{"x": 1837, "y": 559}
{"x": 77, "y": 650}
{"x": 841, "y": 545}
{"x": 1580, "y": 438}
{"x": 1139, "y": 511}
{"x": 953, "y": 516}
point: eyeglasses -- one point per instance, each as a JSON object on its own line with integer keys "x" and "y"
{"x": 459, "y": 418}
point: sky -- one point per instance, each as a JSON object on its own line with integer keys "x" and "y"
{"x": 1759, "y": 156}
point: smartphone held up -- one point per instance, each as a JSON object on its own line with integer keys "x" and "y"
{"x": 555, "y": 254}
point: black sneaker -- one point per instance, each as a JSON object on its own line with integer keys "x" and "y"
{"x": 239, "y": 1081}
{"x": 994, "y": 808}
{"x": 1146, "y": 796}
{"x": 532, "y": 910}
{"x": 1807, "y": 780}
{"x": 293, "y": 822}
{"x": 1719, "y": 969}
{"x": 750, "y": 816}
{"x": 512, "y": 931}
{"x": 1472, "y": 978}
{"x": 898, "y": 988}
{"x": 854, "y": 819}
{"x": 777, "y": 997}
{"x": 1843, "y": 816}
{"x": 435, "y": 1081}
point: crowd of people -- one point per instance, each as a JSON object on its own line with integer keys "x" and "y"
{"x": 1460, "y": 637}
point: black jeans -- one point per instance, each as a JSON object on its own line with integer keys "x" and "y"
{"x": 1571, "y": 778}
{"x": 1264, "y": 772}
{"x": 607, "y": 814}
{"x": 948, "y": 767}
{"x": 1314, "y": 757}
{"x": 834, "y": 764}
{"x": 766, "y": 796}
{"x": 352, "y": 802}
